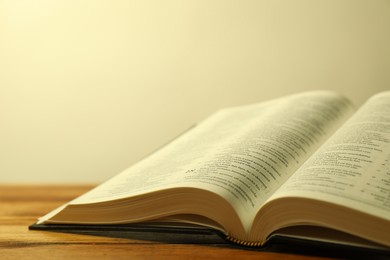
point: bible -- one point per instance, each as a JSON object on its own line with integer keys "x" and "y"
{"x": 306, "y": 166}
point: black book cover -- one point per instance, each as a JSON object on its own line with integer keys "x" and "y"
{"x": 211, "y": 237}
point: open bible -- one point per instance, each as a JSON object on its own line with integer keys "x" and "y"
{"x": 287, "y": 167}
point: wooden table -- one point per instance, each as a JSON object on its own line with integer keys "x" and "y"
{"x": 21, "y": 205}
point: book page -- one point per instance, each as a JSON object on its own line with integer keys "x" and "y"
{"x": 353, "y": 167}
{"x": 243, "y": 154}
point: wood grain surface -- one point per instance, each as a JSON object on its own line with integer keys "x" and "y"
{"x": 21, "y": 205}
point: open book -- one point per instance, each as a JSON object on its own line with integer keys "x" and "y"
{"x": 250, "y": 172}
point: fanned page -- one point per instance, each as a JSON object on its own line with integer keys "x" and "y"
{"x": 242, "y": 154}
{"x": 352, "y": 170}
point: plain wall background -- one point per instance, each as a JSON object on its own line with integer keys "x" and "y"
{"x": 87, "y": 88}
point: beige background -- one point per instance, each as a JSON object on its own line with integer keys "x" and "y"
{"x": 89, "y": 87}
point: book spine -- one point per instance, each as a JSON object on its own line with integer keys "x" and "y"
{"x": 243, "y": 242}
